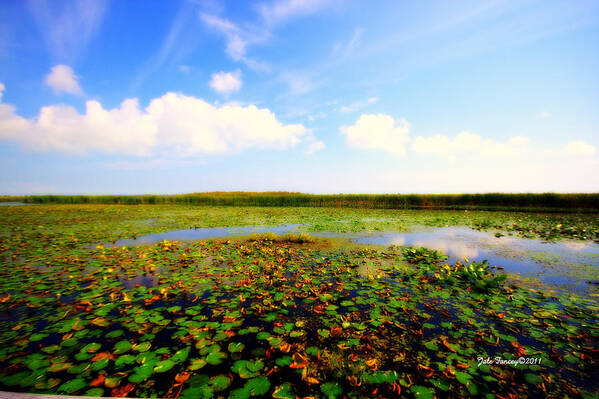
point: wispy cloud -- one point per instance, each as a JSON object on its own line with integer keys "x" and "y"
{"x": 345, "y": 49}
{"x": 274, "y": 13}
{"x": 171, "y": 44}
{"x": 302, "y": 81}
{"x": 470, "y": 144}
{"x": 316, "y": 116}
{"x": 358, "y": 105}
{"x": 280, "y": 11}
{"x": 152, "y": 164}
{"x": 491, "y": 25}
{"x": 26, "y": 188}
{"x": 67, "y": 26}
{"x": 314, "y": 145}
{"x": 237, "y": 39}
{"x": 299, "y": 82}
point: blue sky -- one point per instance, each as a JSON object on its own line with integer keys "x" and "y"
{"x": 322, "y": 96}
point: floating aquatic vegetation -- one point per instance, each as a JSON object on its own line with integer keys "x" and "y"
{"x": 300, "y": 238}
{"x": 275, "y": 317}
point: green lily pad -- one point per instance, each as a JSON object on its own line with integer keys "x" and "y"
{"x": 463, "y": 378}
{"x": 284, "y": 391}
{"x": 533, "y": 378}
{"x": 215, "y": 358}
{"x": 101, "y": 364}
{"x": 197, "y": 364}
{"x": 95, "y": 392}
{"x": 263, "y": 335}
{"x": 121, "y": 347}
{"x": 141, "y": 373}
{"x": 220, "y": 383}
{"x": 236, "y": 347}
{"x": 142, "y": 347}
{"x": 257, "y": 386}
{"x": 115, "y": 334}
{"x": 180, "y": 356}
{"x": 124, "y": 360}
{"x": 37, "y": 337}
{"x": 331, "y": 389}
{"x": 283, "y": 361}
{"x": 58, "y": 367}
{"x": 72, "y": 386}
{"x": 422, "y": 392}
{"x": 164, "y": 365}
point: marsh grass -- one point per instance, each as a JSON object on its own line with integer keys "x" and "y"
{"x": 488, "y": 201}
{"x": 301, "y": 238}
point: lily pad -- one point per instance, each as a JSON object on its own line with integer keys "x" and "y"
{"x": 164, "y": 365}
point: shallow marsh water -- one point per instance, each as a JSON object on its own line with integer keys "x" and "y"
{"x": 566, "y": 265}
{"x": 202, "y": 233}
{"x": 571, "y": 265}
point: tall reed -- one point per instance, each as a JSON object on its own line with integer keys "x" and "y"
{"x": 490, "y": 201}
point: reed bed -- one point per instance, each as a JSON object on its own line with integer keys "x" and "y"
{"x": 488, "y": 201}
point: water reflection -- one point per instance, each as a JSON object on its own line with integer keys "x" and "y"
{"x": 145, "y": 280}
{"x": 566, "y": 264}
{"x": 577, "y": 245}
{"x": 455, "y": 249}
{"x": 203, "y": 233}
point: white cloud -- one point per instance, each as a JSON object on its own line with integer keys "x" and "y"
{"x": 62, "y": 79}
{"x": 171, "y": 125}
{"x": 184, "y": 68}
{"x": 282, "y": 10}
{"x": 67, "y": 26}
{"x": 579, "y": 148}
{"x": 226, "y": 82}
{"x": 378, "y": 132}
{"x": 518, "y": 141}
{"x": 381, "y": 132}
{"x": 2, "y": 87}
{"x": 358, "y": 105}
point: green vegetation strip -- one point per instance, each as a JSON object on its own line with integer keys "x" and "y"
{"x": 489, "y": 201}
